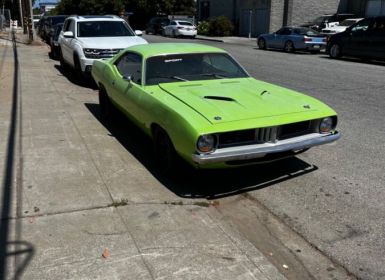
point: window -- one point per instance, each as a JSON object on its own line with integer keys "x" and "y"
{"x": 130, "y": 65}
{"x": 361, "y": 26}
{"x": 191, "y": 67}
{"x": 103, "y": 29}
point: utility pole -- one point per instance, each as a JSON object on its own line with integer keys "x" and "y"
{"x": 21, "y": 13}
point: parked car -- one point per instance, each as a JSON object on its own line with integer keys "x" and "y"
{"x": 291, "y": 39}
{"x": 87, "y": 38}
{"x": 49, "y": 23}
{"x": 326, "y": 21}
{"x": 197, "y": 102}
{"x": 54, "y": 41}
{"x": 364, "y": 39}
{"x": 339, "y": 27}
{"x": 156, "y": 24}
{"x": 178, "y": 28}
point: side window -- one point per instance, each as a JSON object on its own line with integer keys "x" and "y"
{"x": 361, "y": 26}
{"x": 130, "y": 65}
{"x": 66, "y": 25}
{"x": 379, "y": 27}
{"x": 280, "y": 31}
{"x": 286, "y": 31}
{"x": 173, "y": 23}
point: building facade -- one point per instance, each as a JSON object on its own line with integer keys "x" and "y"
{"x": 253, "y": 17}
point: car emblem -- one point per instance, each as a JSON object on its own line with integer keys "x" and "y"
{"x": 217, "y": 118}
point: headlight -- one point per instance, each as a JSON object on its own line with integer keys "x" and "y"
{"x": 206, "y": 143}
{"x": 326, "y": 125}
{"x": 91, "y": 53}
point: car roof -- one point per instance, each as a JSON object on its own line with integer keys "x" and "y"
{"x": 97, "y": 18}
{"x": 155, "y": 49}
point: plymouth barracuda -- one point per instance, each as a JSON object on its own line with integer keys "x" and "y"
{"x": 197, "y": 102}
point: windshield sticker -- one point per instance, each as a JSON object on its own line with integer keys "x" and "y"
{"x": 173, "y": 60}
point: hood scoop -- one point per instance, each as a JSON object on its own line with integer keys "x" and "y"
{"x": 222, "y": 98}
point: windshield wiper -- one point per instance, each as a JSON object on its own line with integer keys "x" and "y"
{"x": 215, "y": 75}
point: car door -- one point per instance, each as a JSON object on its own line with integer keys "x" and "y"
{"x": 357, "y": 41}
{"x": 65, "y": 44}
{"x": 376, "y": 38}
{"x": 127, "y": 86}
{"x": 276, "y": 38}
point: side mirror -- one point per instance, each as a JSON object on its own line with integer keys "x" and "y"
{"x": 68, "y": 34}
{"x": 138, "y": 33}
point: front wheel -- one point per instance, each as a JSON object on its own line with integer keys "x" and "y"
{"x": 289, "y": 47}
{"x": 262, "y": 44}
{"x": 335, "y": 51}
{"x": 164, "y": 152}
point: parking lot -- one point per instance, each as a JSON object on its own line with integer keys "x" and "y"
{"x": 83, "y": 186}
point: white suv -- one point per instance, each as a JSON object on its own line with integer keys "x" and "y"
{"x": 86, "y": 38}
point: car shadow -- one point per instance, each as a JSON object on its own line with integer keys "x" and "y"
{"x": 188, "y": 182}
{"x": 296, "y": 52}
{"x": 356, "y": 60}
{"x": 87, "y": 82}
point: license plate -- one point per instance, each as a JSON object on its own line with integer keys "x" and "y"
{"x": 316, "y": 46}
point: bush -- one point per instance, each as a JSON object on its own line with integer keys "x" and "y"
{"x": 220, "y": 26}
{"x": 203, "y": 28}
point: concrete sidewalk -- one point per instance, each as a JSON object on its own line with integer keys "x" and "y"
{"x": 85, "y": 201}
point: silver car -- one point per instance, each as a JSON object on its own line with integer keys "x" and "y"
{"x": 291, "y": 39}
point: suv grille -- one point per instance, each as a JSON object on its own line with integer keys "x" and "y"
{"x": 264, "y": 135}
{"x": 101, "y": 53}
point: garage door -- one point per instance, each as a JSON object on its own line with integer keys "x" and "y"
{"x": 375, "y": 8}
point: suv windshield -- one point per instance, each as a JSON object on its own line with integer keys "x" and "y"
{"x": 103, "y": 29}
{"x": 191, "y": 67}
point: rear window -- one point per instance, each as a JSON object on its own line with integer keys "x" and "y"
{"x": 305, "y": 31}
{"x": 185, "y": 23}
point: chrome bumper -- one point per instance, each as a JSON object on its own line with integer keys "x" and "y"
{"x": 260, "y": 150}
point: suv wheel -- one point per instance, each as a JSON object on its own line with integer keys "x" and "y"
{"x": 335, "y": 51}
{"x": 78, "y": 69}
{"x": 63, "y": 64}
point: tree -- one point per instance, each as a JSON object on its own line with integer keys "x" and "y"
{"x": 88, "y": 7}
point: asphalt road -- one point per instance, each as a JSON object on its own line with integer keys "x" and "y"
{"x": 332, "y": 195}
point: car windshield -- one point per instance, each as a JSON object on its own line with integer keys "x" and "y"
{"x": 305, "y": 31}
{"x": 191, "y": 67}
{"x": 347, "y": 22}
{"x": 56, "y": 20}
{"x": 185, "y": 23}
{"x": 103, "y": 29}
{"x": 318, "y": 20}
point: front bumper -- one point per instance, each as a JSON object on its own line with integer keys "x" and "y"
{"x": 254, "y": 151}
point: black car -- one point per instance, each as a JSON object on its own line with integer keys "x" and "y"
{"x": 326, "y": 21}
{"x": 156, "y": 24}
{"x": 364, "y": 39}
{"x": 54, "y": 44}
{"x": 47, "y": 29}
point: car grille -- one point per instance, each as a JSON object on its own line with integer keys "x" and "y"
{"x": 101, "y": 53}
{"x": 264, "y": 135}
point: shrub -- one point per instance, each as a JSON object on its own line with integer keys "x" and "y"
{"x": 203, "y": 28}
{"x": 220, "y": 26}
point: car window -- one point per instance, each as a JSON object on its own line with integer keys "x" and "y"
{"x": 173, "y": 23}
{"x": 191, "y": 67}
{"x": 71, "y": 26}
{"x": 103, "y": 29}
{"x": 361, "y": 26}
{"x": 130, "y": 65}
{"x": 379, "y": 26}
{"x": 279, "y": 32}
{"x": 185, "y": 23}
{"x": 66, "y": 25}
{"x": 305, "y": 31}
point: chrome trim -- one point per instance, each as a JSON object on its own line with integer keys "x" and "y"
{"x": 261, "y": 150}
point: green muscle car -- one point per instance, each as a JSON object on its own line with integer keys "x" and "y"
{"x": 197, "y": 102}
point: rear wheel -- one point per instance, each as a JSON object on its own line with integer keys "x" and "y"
{"x": 262, "y": 44}
{"x": 289, "y": 47}
{"x": 78, "y": 69}
{"x": 105, "y": 104}
{"x": 174, "y": 34}
{"x": 335, "y": 51}
{"x": 63, "y": 64}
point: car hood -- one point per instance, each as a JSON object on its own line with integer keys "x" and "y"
{"x": 241, "y": 99}
{"x": 111, "y": 42}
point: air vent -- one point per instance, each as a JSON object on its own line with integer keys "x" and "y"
{"x": 219, "y": 98}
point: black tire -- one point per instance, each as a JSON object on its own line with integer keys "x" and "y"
{"x": 164, "y": 152}
{"x": 63, "y": 64}
{"x": 335, "y": 51}
{"x": 262, "y": 44}
{"x": 78, "y": 70}
{"x": 289, "y": 47}
{"x": 174, "y": 34}
{"x": 105, "y": 104}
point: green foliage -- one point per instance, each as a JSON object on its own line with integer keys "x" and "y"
{"x": 220, "y": 26}
{"x": 88, "y": 7}
{"x": 203, "y": 28}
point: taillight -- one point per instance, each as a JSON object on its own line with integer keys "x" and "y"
{"x": 325, "y": 39}
{"x": 307, "y": 39}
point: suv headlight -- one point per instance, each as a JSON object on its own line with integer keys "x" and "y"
{"x": 326, "y": 125}
{"x": 91, "y": 53}
{"x": 206, "y": 143}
